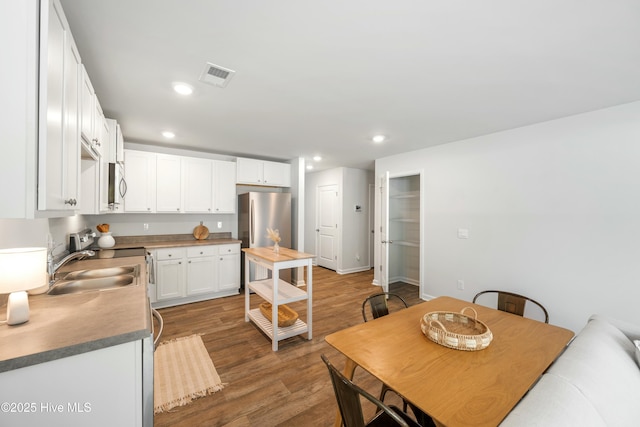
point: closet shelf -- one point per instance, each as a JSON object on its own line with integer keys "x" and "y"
{"x": 406, "y": 243}
{"x": 407, "y": 195}
{"x": 407, "y": 220}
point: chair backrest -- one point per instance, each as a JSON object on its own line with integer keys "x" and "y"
{"x": 378, "y": 303}
{"x": 348, "y": 397}
{"x": 513, "y": 303}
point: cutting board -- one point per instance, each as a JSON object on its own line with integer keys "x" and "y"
{"x": 201, "y": 232}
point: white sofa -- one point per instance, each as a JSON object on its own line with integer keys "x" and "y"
{"x": 594, "y": 383}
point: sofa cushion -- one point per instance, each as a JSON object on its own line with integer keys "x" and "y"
{"x": 600, "y": 363}
{"x": 554, "y": 402}
{"x": 595, "y": 382}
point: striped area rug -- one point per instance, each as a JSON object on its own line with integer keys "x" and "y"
{"x": 183, "y": 371}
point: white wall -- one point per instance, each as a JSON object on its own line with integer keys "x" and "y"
{"x": 133, "y": 224}
{"x": 353, "y": 240}
{"x": 17, "y": 233}
{"x": 355, "y": 225}
{"x": 553, "y": 211}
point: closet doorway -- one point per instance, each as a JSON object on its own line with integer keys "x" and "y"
{"x": 401, "y": 231}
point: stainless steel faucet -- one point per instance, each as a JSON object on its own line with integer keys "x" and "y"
{"x": 53, "y": 267}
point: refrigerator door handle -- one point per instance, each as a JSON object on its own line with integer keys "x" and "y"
{"x": 251, "y": 224}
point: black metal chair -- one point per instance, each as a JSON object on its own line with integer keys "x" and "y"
{"x": 379, "y": 305}
{"x": 513, "y": 303}
{"x": 348, "y": 396}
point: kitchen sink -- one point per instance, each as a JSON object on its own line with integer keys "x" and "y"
{"x": 102, "y": 272}
{"x": 95, "y": 280}
{"x": 97, "y": 284}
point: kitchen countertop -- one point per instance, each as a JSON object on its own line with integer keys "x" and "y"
{"x": 176, "y": 243}
{"x": 66, "y": 325}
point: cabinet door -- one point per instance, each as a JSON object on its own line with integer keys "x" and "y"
{"x": 169, "y": 279}
{"x": 224, "y": 194}
{"x": 249, "y": 171}
{"x": 198, "y": 181}
{"x": 169, "y": 183}
{"x": 277, "y": 174}
{"x": 228, "y": 272}
{"x": 58, "y": 143}
{"x": 87, "y": 97}
{"x": 71, "y": 146}
{"x": 119, "y": 147}
{"x": 83, "y": 387}
{"x": 103, "y": 137}
{"x": 89, "y": 183}
{"x": 100, "y": 130}
{"x": 201, "y": 275}
{"x": 140, "y": 170}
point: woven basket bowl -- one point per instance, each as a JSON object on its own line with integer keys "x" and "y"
{"x": 286, "y": 315}
{"x": 456, "y": 330}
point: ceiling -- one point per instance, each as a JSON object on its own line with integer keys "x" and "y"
{"x": 323, "y": 77}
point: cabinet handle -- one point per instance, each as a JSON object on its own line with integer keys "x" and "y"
{"x": 180, "y": 262}
{"x": 148, "y": 209}
{"x": 201, "y": 253}
{"x": 71, "y": 202}
{"x": 169, "y": 254}
{"x": 189, "y": 262}
{"x": 178, "y": 209}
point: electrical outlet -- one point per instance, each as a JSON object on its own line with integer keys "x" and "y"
{"x": 145, "y": 227}
{"x": 461, "y": 284}
{"x": 219, "y": 224}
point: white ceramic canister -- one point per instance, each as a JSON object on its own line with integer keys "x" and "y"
{"x": 106, "y": 240}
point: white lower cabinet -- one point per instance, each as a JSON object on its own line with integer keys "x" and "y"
{"x": 201, "y": 270}
{"x": 196, "y": 273}
{"x": 170, "y": 273}
{"x": 228, "y": 267}
{"x": 104, "y": 387}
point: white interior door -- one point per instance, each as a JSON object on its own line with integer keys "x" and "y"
{"x": 384, "y": 231}
{"x": 327, "y": 229}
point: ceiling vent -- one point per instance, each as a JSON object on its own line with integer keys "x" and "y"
{"x": 216, "y": 75}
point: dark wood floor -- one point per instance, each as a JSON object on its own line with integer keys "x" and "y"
{"x": 290, "y": 387}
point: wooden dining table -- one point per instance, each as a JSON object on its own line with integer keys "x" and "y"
{"x": 455, "y": 387}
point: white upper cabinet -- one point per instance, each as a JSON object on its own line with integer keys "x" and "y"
{"x": 198, "y": 185}
{"x": 92, "y": 120}
{"x": 181, "y": 184}
{"x": 262, "y": 172}
{"x": 168, "y": 183}
{"x": 19, "y": 105}
{"x": 87, "y": 109}
{"x": 58, "y": 135}
{"x": 224, "y": 187}
{"x": 100, "y": 130}
{"x": 115, "y": 143}
{"x": 140, "y": 172}
{"x": 277, "y": 174}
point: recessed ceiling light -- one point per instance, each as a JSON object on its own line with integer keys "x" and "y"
{"x": 309, "y": 167}
{"x": 379, "y": 138}
{"x": 182, "y": 88}
{"x": 317, "y": 158}
{"x": 168, "y": 134}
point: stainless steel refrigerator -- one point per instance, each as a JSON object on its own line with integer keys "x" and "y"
{"x": 257, "y": 212}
